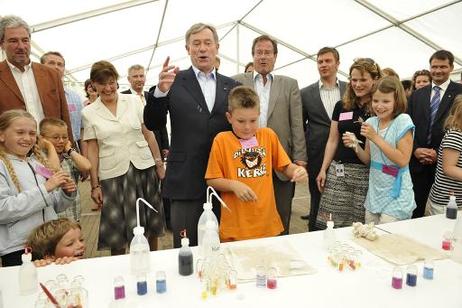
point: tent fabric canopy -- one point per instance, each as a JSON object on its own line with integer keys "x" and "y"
{"x": 397, "y": 34}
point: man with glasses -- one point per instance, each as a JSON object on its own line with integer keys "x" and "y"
{"x": 55, "y": 60}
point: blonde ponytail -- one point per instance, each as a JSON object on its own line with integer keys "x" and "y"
{"x": 10, "y": 169}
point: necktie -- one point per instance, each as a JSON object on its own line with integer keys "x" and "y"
{"x": 434, "y": 104}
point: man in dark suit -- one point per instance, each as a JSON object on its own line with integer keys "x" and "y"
{"x": 197, "y": 100}
{"x": 429, "y": 108}
{"x": 318, "y": 101}
{"x": 137, "y": 79}
{"x": 24, "y": 84}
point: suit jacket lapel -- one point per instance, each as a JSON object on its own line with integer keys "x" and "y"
{"x": 122, "y": 105}
{"x": 274, "y": 93}
{"x": 103, "y": 111}
{"x": 7, "y": 77}
{"x": 445, "y": 101}
{"x": 221, "y": 91}
{"x": 41, "y": 80}
{"x": 191, "y": 84}
{"x": 320, "y": 105}
{"x": 426, "y": 95}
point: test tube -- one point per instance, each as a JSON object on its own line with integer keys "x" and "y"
{"x": 77, "y": 281}
{"x": 200, "y": 268}
{"x": 428, "y": 269}
{"x": 62, "y": 281}
{"x": 397, "y": 279}
{"x": 141, "y": 285}
{"x": 261, "y": 276}
{"x": 447, "y": 240}
{"x": 271, "y": 281}
{"x": 61, "y": 297}
{"x": 161, "y": 282}
{"x": 78, "y": 297}
{"x": 119, "y": 288}
{"x": 232, "y": 280}
{"x": 411, "y": 276}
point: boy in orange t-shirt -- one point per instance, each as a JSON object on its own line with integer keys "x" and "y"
{"x": 240, "y": 165}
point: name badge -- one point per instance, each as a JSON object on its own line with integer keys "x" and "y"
{"x": 72, "y": 108}
{"x": 390, "y": 170}
{"x": 344, "y": 116}
{"x": 249, "y": 143}
{"x": 339, "y": 170}
{"x": 45, "y": 172}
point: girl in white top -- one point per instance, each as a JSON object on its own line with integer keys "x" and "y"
{"x": 30, "y": 193}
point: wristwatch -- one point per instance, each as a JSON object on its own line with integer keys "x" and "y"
{"x": 70, "y": 151}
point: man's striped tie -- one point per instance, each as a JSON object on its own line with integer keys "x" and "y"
{"x": 434, "y": 104}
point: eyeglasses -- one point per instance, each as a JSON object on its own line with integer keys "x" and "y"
{"x": 56, "y": 138}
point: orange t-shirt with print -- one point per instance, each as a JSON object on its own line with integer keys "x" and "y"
{"x": 252, "y": 166}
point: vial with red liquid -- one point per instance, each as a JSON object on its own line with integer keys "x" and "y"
{"x": 271, "y": 279}
{"x": 447, "y": 240}
{"x": 119, "y": 288}
{"x": 397, "y": 279}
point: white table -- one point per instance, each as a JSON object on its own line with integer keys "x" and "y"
{"x": 370, "y": 286}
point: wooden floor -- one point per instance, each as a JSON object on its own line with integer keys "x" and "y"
{"x": 90, "y": 219}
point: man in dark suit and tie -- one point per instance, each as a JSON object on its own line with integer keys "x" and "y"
{"x": 137, "y": 79}
{"x": 197, "y": 100}
{"x": 25, "y": 84}
{"x": 429, "y": 108}
{"x": 318, "y": 101}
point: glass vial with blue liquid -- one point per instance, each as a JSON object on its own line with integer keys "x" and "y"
{"x": 141, "y": 285}
{"x": 428, "y": 269}
{"x": 411, "y": 276}
{"x": 161, "y": 282}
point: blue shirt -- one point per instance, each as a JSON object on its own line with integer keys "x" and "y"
{"x": 380, "y": 198}
{"x": 75, "y": 106}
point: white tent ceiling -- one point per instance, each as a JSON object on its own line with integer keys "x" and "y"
{"x": 401, "y": 34}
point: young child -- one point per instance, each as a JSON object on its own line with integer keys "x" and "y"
{"x": 29, "y": 192}
{"x": 448, "y": 178}
{"x": 240, "y": 165}
{"x": 58, "y": 241}
{"x": 388, "y": 149}
{"x": 55, "y": 131}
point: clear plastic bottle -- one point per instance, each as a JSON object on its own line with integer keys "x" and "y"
{"x": 207, "y": 215}
{"x": 211, "y": 241}
{"x": 329, "y": 234}
{"x": 451, "y": 208}
{"x": 139, "y": 253}
{"x": 28, "y": 282}
{"x": 457, "y": 236}
{"x": 185, "y": 258}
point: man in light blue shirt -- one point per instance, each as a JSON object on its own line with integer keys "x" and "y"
{"x": 74, "y": 101}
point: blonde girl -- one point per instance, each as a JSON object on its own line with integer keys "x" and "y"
{"x": 448, "y": 177}
{"x": 29, "y": 192}
{"x": 388, "y": 150}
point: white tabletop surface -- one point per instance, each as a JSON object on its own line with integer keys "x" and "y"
{"x": 370, "y": 286}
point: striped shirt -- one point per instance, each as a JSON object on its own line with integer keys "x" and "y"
{"x": 263, "y": 90}
{"x": 443, "y": 184}
{"x": 329, "y": 97}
